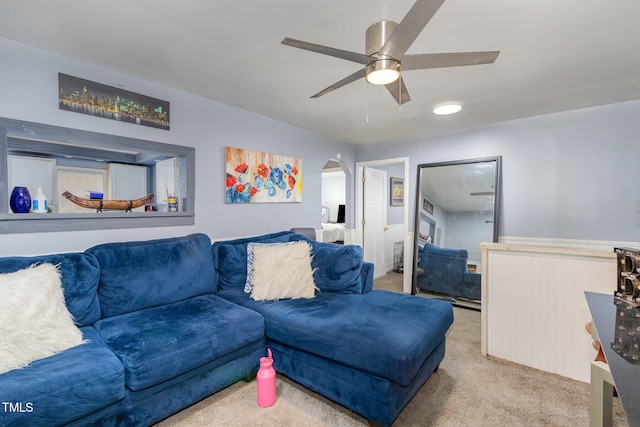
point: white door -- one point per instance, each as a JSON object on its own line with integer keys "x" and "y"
{"x": 127, "y": 182}
{"x": 375, "y": 219}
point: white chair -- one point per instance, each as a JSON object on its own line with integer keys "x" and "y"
{"x": 307, "y": 232}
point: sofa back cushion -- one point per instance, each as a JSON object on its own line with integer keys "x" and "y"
{"x": 138, "y": 275}
{"x": 447, "y": 261}
{"x": 79, "y": 276}
{"x": 337, "y": 268}
{"x": 230, "y": 258}
{"x": 432, "y": 249}
{"x": 444, "y": 269}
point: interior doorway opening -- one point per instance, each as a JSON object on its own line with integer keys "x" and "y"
{"x": 400, "y": 166}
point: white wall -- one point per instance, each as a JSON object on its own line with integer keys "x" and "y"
{"x": 28, "y": 88}
{"x": 439, "y": 215}
{"x": 468, "y": 230}
{"x": 568, "y": 175}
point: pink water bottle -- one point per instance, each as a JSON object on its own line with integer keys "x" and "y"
{"x": 266, "y": 381}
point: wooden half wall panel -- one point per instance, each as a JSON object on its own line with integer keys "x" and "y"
{"x": 533, "y": 305}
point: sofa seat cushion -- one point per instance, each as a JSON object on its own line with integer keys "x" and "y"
{"x": 159, "y": 343}
{"x": 64, "y": 387}
{"x": 383, "y": 333}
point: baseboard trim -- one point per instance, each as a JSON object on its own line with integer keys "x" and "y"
{"x": 604, "y": 245}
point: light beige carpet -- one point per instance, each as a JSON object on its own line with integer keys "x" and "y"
{"x": 467, "y": 390}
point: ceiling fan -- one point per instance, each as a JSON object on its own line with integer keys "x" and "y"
{"x": 386, "y": 43}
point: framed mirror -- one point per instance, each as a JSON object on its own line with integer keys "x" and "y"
{"x": 456, "y": 209}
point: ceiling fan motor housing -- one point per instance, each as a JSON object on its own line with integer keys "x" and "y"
{"x": 382, "y": 69}
{"x": 376, "y": 36}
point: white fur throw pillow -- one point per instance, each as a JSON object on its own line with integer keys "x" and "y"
{"x": 248, "y": 286}
{"x": 34, "y": 320}
{"x": 282, "y": 271}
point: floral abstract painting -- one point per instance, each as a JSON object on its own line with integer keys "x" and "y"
{"x": 256, "y": 177}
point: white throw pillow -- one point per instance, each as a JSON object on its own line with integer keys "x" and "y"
{"x": 248, "y": 286}
{"x": 282, "y": 271}
{"x": 34, "y": 320}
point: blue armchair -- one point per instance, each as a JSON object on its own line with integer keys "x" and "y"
{"x": 444, "y": 271}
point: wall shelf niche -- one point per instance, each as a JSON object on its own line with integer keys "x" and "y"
{"x": 74, "y": 148}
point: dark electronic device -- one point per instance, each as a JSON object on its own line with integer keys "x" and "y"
{"x": 628, "y": 278}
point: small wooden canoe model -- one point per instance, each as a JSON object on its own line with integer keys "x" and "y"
{"x": 99, "y": 204}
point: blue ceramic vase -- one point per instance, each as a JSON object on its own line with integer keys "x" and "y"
{"x": 20, "y": 200}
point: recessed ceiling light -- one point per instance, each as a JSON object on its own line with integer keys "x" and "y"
{"x": 446, "y": 109}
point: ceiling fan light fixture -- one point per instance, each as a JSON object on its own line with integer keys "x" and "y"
{"x": 386, "y": 43}
{"x": 383, "y": 71}
{"x": 446, "y": 109}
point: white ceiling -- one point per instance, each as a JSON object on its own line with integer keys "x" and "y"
{"x": 555, "y": 56}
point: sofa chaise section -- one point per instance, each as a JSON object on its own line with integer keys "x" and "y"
{"x": 367, "y": 350}
{"x": 370, "y": 352}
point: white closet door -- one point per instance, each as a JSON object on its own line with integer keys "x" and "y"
{"x": 126, "y": 182}
{"x": 79, "y": 181}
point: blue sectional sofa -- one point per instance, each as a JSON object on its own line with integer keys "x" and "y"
{"x": 167, "y": 323}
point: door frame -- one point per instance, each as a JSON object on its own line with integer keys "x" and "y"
{"x": 407, "y": 271}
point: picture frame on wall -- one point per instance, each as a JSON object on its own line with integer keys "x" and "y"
{"x": 110, "y": 102}
{"x": 257, "y": 177}
{"x": 427, "y": 206}
{"x": 397, "y": 191}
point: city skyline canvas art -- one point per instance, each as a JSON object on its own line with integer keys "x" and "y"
{"x": 96, "y": 99}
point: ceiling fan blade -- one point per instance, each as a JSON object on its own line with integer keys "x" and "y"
{"x": 439, "y": 60}
{"x": 325, "y": 50}
{"x": 409, "y": 28}
{"x": 396, "y": 92}
{"x": 352, "y": 78}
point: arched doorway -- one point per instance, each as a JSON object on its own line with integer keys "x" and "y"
{"x": 334, "y": 201}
